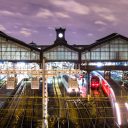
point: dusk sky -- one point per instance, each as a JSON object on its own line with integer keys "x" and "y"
{"x": 85, "y": 20}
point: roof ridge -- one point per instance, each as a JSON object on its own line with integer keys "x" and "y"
{"x": 107, "y": 37}
{"x": 3, "y": 33}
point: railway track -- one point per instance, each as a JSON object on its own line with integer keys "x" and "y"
{"x": 53, "y": 105}
{"x": 22, "y": 110}
{"x": 77, "y": 113}
{"x": 28, "y": 113}
{"x": 80, "y": 113}
{"x": 7, "y": 113}
{"x": 60, "y": 114}
{"x": 67, "y": 114}
{"x": 103, "y": 112}
{"x": 32, "y": 109}
{"x": 56, "y": 97}
{"x": 87, "y": 115}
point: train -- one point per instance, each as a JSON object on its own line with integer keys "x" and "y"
{"x": 106, "y": 88}
{"x": 71, "y": 85}
{"x": 97, "y": 82}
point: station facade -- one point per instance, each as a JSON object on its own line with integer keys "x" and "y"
{"x": 110, "y": 50}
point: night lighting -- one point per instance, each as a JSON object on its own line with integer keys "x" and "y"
{"x": 118, "y": 113}
{"x": 60, "y": 35}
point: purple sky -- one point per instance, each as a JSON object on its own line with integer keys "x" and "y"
{"x": 85, "y": 20}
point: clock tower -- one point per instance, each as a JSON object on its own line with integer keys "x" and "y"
{"x": 60, "y": 35}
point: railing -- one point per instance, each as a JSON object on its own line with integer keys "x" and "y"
{"x": 38, "y": 72}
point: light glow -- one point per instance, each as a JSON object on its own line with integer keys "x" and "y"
{"x": 118, "y": 113}
{"x": 69, "y": 90}
{"x": 125, "y": 64}
{"x": 126, "y": 105}
{"x": 77, "y": 90}
{"x": 99, "y": 64}
{"x": 49, "y": 72}
{"x": 49, "y": 80}
{"x": 59, "y": 80}
{"x": 60, "y": 35}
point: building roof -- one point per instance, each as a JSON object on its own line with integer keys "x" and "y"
{"x": 61, "y": 44}
{"x": 74, "y": 47}
{"x": 18, "y": 41}
{"x": 105, "y": 39}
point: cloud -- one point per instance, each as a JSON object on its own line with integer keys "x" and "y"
{"x": 99, "y": 9}
{"x": 100, "y": 22}
{"x": 9, "y": 13}
{"x": 51, "y": 28}
{"x": 109, "y": 17}
{"x": 62, "y": 15}
{"x": 105, "y": 13}
{"x": 72, "y": 6}
{"x": 102, "y": 29}
{"x": 45, "y": 13}
{"x": 90, "y": 34}
{"x": 2, "y": 28}
{"x": 25, "y": 31}
{"x": 123, "y": 1}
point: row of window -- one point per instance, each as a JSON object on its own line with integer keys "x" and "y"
{"x": 115, "y": 49}
{"x": 61, "y": 49}
{"x": 114, "y": 45}
{"x": 19, "y": 56}
{"x": 64, "y": 56}
{"x": 12, "y": 47}
{"x": 112, "y": 48}
{"x": 10, "y": 50}
{"x": 61, "y": 56}
{"x": 105, "y": 56}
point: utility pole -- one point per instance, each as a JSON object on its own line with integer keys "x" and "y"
{"x": 88, "y": 80}
{"x": 44, "y": 124}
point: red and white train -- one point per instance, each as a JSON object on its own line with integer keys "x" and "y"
{"x": 97, "y": 81}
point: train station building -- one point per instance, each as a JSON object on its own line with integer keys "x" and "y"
{"x": 111, "y": 50}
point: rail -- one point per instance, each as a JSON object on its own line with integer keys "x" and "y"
{"x": 12, "y": 104}
{"x": 80, "y": 114}
{"x": 87, "y": 112}
{"x": 58, "y": 99}
{"x": 27, "y": 108}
